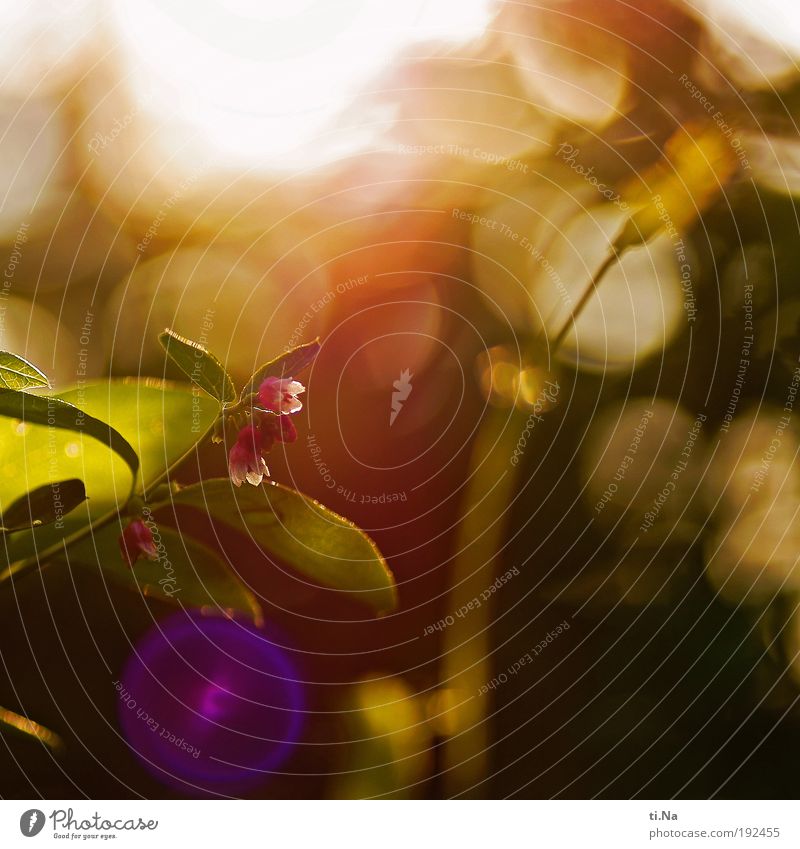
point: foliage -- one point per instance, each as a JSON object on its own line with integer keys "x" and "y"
{"x": 66, "y": 499}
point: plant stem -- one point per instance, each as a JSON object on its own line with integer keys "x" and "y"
{"x": 466, "y": 652}
{"x": 609, "y": 262}
{"x": 467, "y": 662}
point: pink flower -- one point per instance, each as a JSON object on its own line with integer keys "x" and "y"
{"x": 245, "y": 461}
{"x": 277, "y": 429}
{"x": 137, "y": 541}
{"x": 279, "y": 395}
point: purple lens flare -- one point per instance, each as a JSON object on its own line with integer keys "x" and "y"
{"x": 210, "y": 704}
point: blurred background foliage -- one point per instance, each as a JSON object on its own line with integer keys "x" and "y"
{"x": 431, "y": 187}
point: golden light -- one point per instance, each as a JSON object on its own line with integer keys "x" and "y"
{"x": 32, "y": 729}
{"x": 390, "y": 752}
{"x": 568, "y": 65}
{"x": 777, "y": 21}
{"x": 261, "y": 81}
{"x": 635, "y": 312}
{"x": 221, "y": 297}
{"x": 45, "y": 43}
{"x": 32, "y": 163}
{"x": 442, "y": 711}
{"x": 754, "y": 484}
{"x": 536, "y": 386}
{"x": 757, "y": 44}
{"x": 497, "y": 371}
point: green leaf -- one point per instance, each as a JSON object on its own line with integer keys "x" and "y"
{"x": 161, "y": 421}
{"x": 54, "y": 412}
{"x": 18, "y": 373}
{"x": 302, "y": 533}
{"x": 43, "y": 505}
{"x": 186, "y": 572}
{"x": 288, "y": 364}
{"x": 199, "y": 365}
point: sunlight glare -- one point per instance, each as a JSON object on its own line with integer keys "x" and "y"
{"x": 260, "y": 80}
{"x": 777, "y": 21}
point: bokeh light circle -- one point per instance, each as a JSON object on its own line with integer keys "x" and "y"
{"x": 210, "y": 703}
